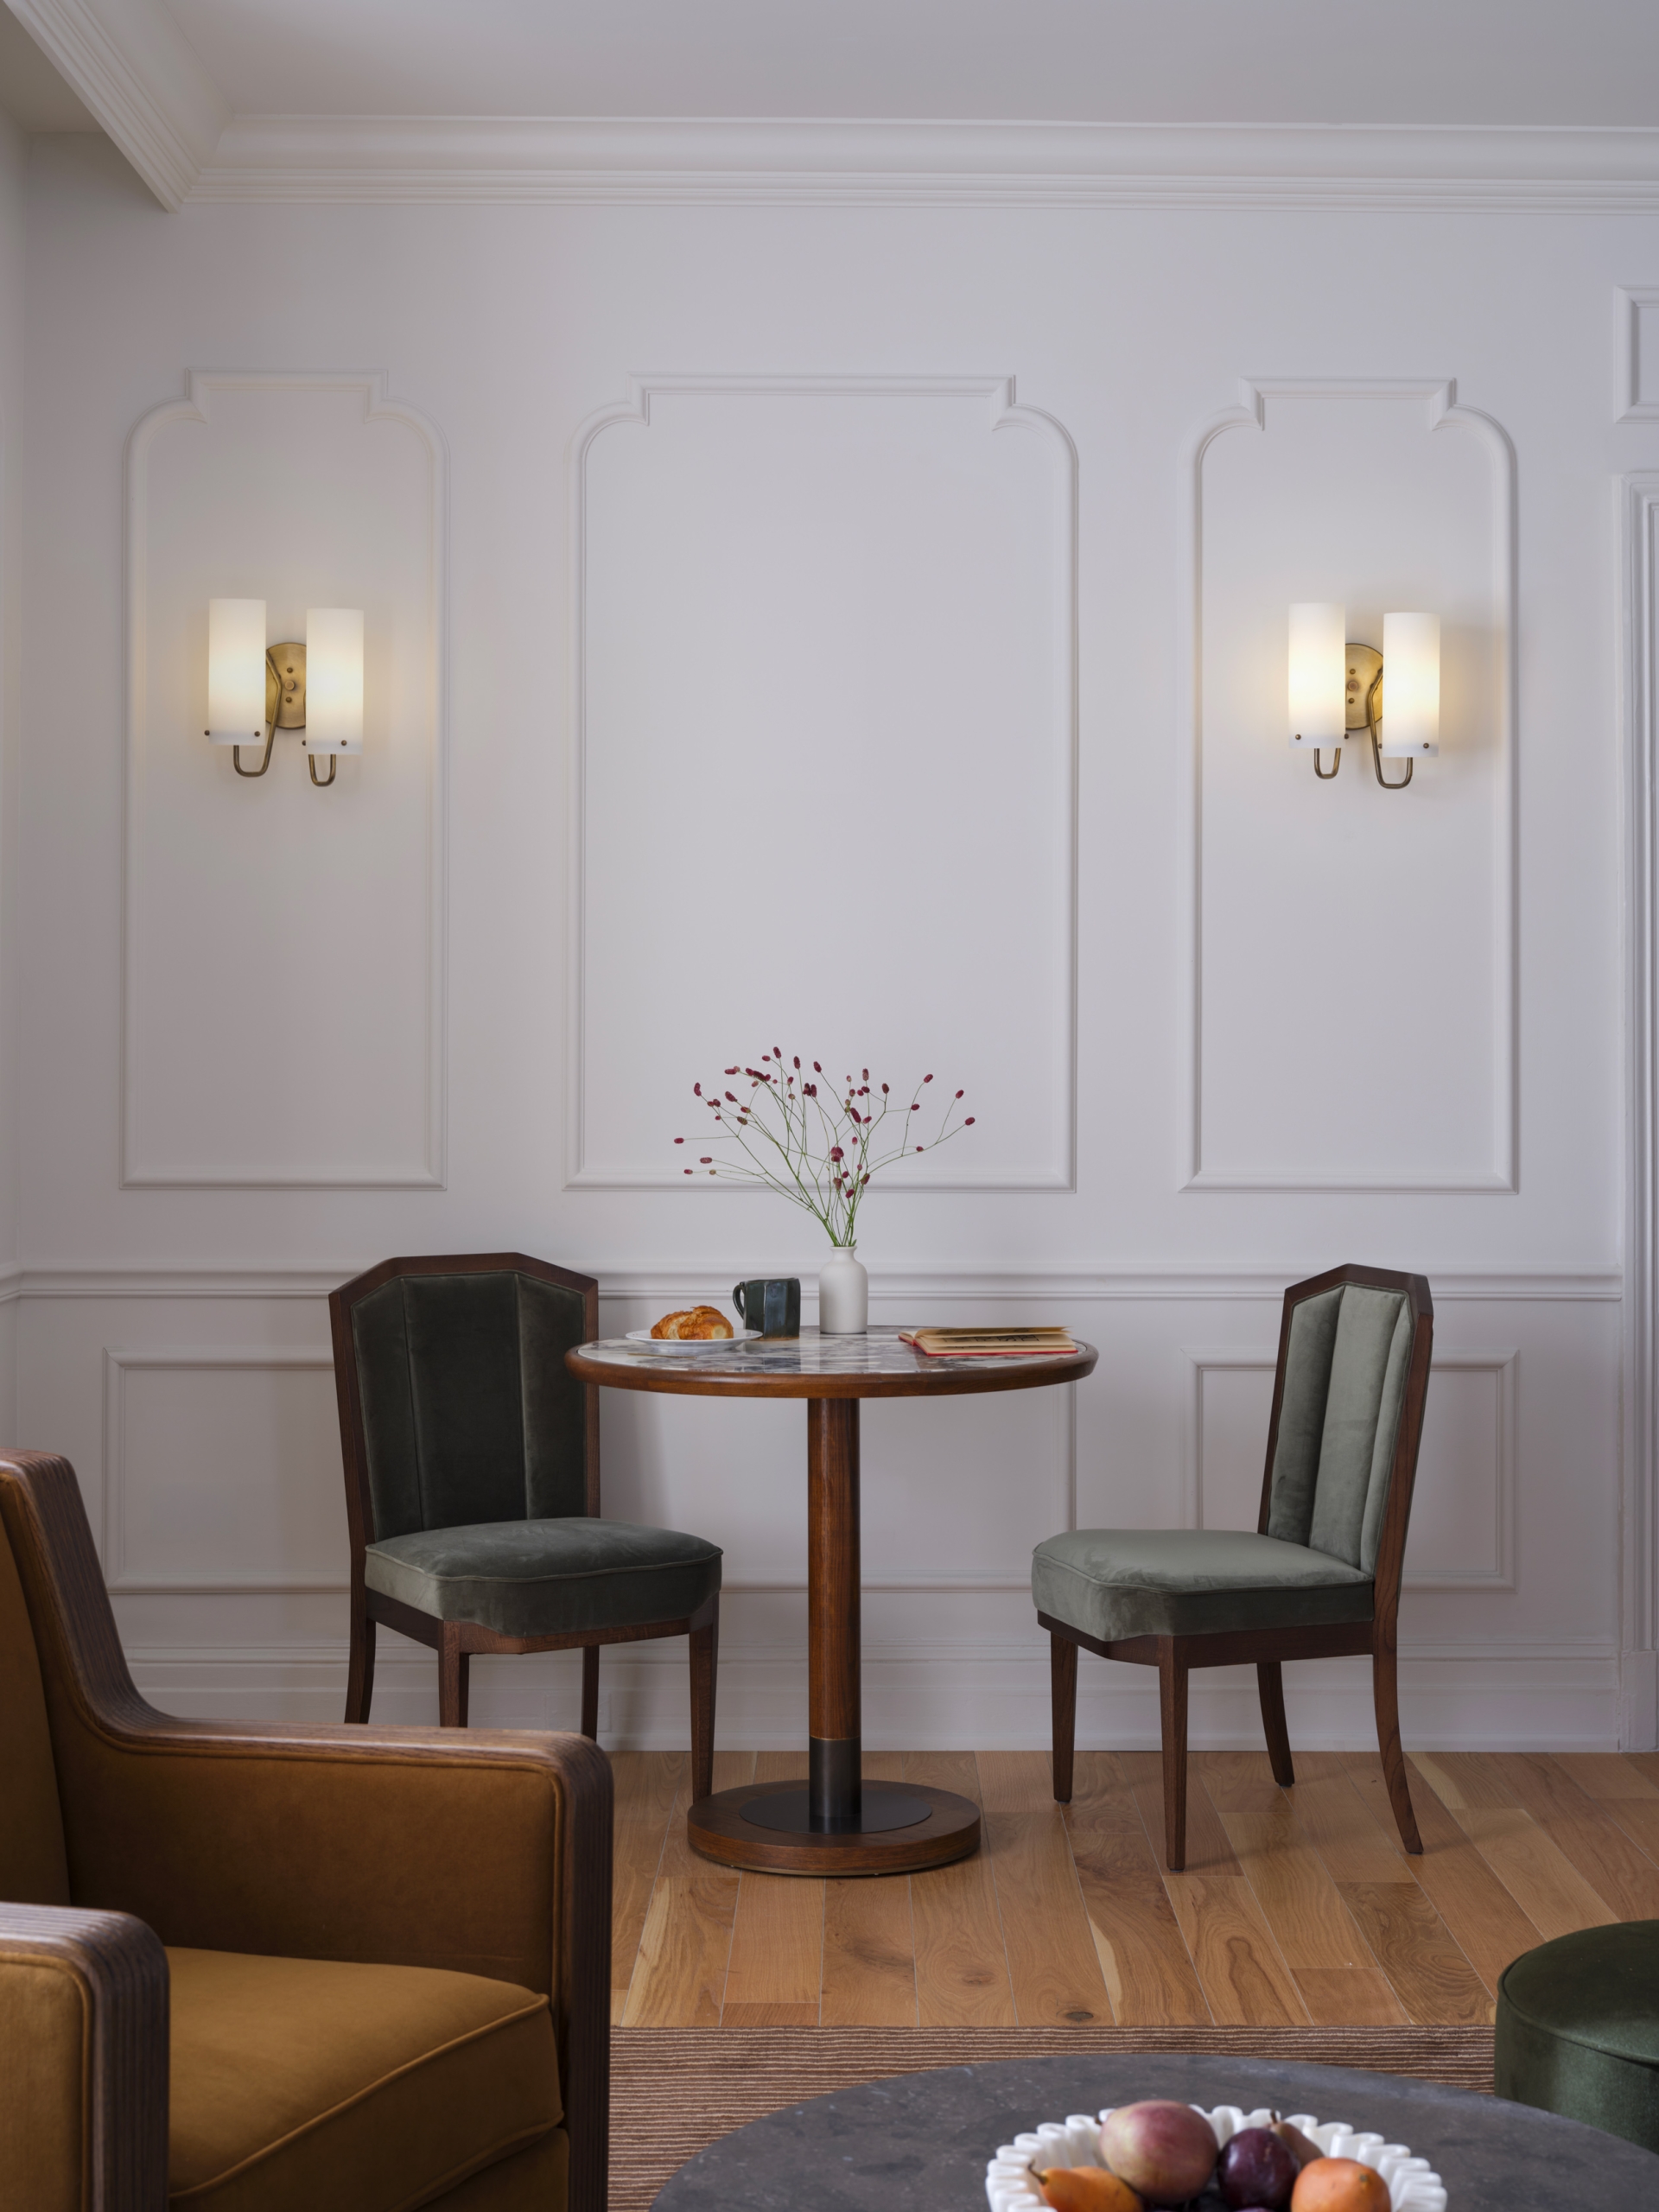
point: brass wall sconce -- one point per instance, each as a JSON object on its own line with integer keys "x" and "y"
{"x": 1336, "y": 686}
{"x": 254, "y": 691}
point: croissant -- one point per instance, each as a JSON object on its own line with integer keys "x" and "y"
{"x": 703, "y": 1322}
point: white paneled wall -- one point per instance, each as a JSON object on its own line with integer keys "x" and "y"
{"x": 857, "y": 628}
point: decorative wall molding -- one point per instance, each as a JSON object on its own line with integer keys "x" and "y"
{"x": 1439, "y": 396}
{"x": 575, "y": 159}
{"x": 996, "y": 394}
{"x": 1638, "y": 517}
{"x": 1636, "y": 397}
{"x": 971, "y": 1279}
{"x": 195, "y": 407}
{"x": 135, "y": 69}
{"x": 118, "y": 1365}
{"x": 1501, "y": 1579}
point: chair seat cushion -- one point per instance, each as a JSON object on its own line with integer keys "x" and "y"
{"x": 547, "y": 1577}
{"x": 1116, "y": 1583}
{"x": 1578, "y": 2029}
{"x": 344, "y": 2087}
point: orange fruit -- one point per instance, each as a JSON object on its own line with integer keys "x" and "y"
{"x": 1339, "y": 2185}
{"x": 1085, "y": 2188}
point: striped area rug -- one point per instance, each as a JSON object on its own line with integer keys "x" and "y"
{"x": 673, "y": 2090}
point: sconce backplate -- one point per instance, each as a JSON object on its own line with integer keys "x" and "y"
{"x": 1362, "y": 662}
{"x": 285, "y": 686}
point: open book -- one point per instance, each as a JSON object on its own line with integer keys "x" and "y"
{"x": 988, "y": 1344}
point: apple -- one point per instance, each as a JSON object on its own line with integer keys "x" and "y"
{"x": 1164, "y": 2151}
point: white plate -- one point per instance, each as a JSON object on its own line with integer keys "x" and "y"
{"x": 1412, "y": 2186}
{"x": 688, "y": 1343}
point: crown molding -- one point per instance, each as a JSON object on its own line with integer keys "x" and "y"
{"x": 531, "y": 159}
{"x": 134, "y": 69}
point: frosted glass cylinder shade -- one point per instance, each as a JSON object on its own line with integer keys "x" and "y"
{"x": 1319, "y": 712}
{"x": 333, "y": 679}
{"x": 1411, "y": 685}
{"x": 236, "y": 671}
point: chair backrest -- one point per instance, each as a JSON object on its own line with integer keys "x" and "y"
{"x": 455, "y": 1404}
{"x": 1353, "y": 1352}
{"x": 33, "y": 1865}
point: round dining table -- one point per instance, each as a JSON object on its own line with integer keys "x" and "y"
{"x": 838, "y": 1823}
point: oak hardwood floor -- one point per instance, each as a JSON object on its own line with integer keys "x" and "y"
{"x": 1297, "y": 1906}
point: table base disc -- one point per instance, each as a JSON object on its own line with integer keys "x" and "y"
{"x": 717, "y": 1827}
{"x": 883, "y": 1808}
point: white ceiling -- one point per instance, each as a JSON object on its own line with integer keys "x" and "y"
{"x": 1401, "y": 62}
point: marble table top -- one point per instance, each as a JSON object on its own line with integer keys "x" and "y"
{"x": 874, "y": 1364}
{"x": 920, "y": 2142}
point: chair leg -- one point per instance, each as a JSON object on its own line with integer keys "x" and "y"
{"x": 1171, "y": 1698}
{"x": 454, "y": 1666}
{"x": 704, "y": 1658}
{"x": 359, "y": 1672}
{"x": 590, "y": 1692}
{"x": 1062, "y": 1688}
{"x": 1270, "y": 1681}
{"x": 1386, "y": 1688}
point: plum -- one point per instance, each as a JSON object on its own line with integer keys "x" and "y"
{"x": 1256, "y": 2168}
{"x": 1165, "y": 2151}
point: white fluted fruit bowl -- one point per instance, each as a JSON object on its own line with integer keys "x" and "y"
{"x": 1412, "y": 2184}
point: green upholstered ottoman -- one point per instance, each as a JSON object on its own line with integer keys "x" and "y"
{"x": 1578, "y": 2029}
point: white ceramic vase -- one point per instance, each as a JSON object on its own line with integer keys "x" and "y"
{"x": 843, "y": 1294}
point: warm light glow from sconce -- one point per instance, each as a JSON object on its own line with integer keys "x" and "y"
{"x": 1411, "y": 685}
{"x": 1318, "y": 675}
{"x": 236, "y": 671}
{"x": 333, "y": 679}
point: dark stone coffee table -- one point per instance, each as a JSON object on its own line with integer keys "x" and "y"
{"x": 920, "y": 2142}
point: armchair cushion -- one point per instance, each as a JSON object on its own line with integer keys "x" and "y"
{"x": 547, "y": 1577}
{"x": 346, "y": 2087}
{"x": 1117, "y": 1583}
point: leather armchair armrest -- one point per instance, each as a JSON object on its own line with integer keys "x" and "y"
{"x": 83, "y": 2062}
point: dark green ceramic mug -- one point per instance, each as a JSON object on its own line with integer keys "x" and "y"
{"x": 774, "y": 1307}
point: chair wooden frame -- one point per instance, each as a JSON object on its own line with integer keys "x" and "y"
{"x": 1268, "y": 1647}
{"x": 456, "y": 1642}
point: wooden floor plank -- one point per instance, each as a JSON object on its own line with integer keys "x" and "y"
{"x": 961, "y": 1967}
{"x": 1337, "y": 1821}
{"x": 777, "y": 1958}
{"x": 1646, "y": 1764}
{"x": 686, "y": 1942}
{"x": 1483, "y": 1920}
{"x": 1608, "y": 1777}
{"x": 1537, "y": 1874}
{"x": 1311, "y": 1924}
{"x": 1144, "y": 1962}
{"x": 647, "y": 1784}
{"x": 1052, "y": 1965}
{"x": 1617, "y": 1870}
{"x": 1244, "y": 1980}
{"x": 1426, "y": 1968}
{"x": 870, "y": 1944}
{"x": 1349, "y": 1997}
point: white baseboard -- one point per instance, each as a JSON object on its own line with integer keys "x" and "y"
{"x": 988, "y": 1698}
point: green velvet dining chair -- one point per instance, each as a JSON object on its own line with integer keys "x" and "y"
{"x": 1319, "y": 1578}
{"x": 471, "y": 1486}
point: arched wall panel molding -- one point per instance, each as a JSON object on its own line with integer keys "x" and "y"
{"x": 310, "y": 923}
{"x": 824, "y": 677}
{"x": 1347, "y": 955}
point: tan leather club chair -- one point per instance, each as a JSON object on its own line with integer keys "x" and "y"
{"x": 378, "y": 1959}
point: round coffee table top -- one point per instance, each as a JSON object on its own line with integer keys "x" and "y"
{"x": 874, "y": 1366}
{"x": 920, "y": 2142}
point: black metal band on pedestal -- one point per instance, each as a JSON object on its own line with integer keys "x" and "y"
{"x": 834, "y": 1783}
